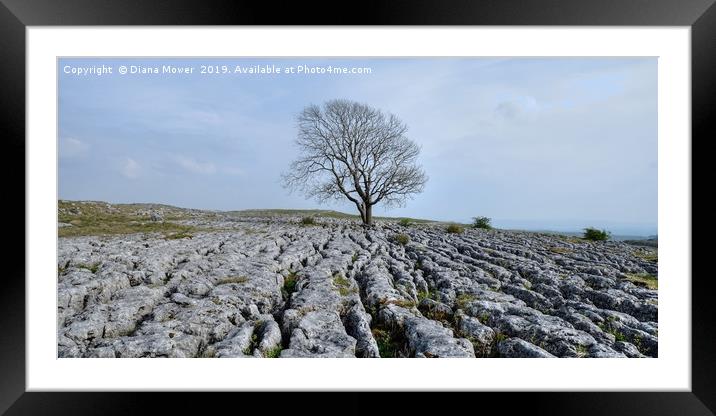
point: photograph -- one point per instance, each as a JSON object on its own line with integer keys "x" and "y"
{"x": 357, "y": 207}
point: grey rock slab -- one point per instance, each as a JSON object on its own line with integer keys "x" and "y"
{"x": 519, "y": 348}
{"x": 141, "y": 295}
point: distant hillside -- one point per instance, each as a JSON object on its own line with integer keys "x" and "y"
{"x": 311, "y": 213}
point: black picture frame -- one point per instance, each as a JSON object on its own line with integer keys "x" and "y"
{"x": 16, "y": 15}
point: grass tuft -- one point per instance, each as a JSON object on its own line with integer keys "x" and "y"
{"x": 402, "y": 239}
{"x": 289, "y": 284}
{"x": 463, "y": 300}
{"x": 398, "y": 302}
{"x": 390, "y": 344}
{"x": 232, "y": 279}
{"x": 652, "y": 256}
{"x": 644, "y": 280}
{"x": 343, "y": 284}
{"x": 178, "y": 235}
{"x": 308, "y": 221}
{"x": 454, "y": 229}
{"x": 92, "y": 267}
{"x": 274, "y": 352}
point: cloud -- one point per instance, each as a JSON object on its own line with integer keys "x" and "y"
{"x": 130, "y": 169}
{"x": 71, "y": 148}
{"x": 194, "y": 166}
{"x": 521, "y": 108}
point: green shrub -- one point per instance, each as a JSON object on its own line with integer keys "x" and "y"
{"x": 402, "y": 239}
{"x": 454, "y": 229}
{"x": 308, "y": 221}
{"x": 482, "y": 222}
{"x": 593, "y": 234}
{"x": 405, "y": 222}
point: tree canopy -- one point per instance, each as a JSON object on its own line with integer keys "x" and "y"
{"x": 351, "y": 150}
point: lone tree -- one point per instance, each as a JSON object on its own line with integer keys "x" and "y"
{"x": 350, "y": 150}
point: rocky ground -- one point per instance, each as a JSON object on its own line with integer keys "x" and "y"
{"x": 242, "y": 286}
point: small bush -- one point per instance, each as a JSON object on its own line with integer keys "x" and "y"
{"x": 593, "y": 234}
{"x": 482, "y": 222}
{"x": 308, "y": 221}
{"x": 402, "y": 239}
{"x": 454, "y": 229}
{"x": 405, "y": 222}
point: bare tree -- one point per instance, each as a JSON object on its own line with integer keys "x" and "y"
{"x": 350, "y": 150}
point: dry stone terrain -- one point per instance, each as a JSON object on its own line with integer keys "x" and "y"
{"x": 257, "y": 286}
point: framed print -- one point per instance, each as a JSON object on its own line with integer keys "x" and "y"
{"x": 481, "y": 184}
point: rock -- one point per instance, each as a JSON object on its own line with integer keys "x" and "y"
{"x": 516, "y": 347}
{"x": 357, "y": 324}
{"x": 320, "y": 334}
{"x": 435, "y": 310}
{"x": 270, "y": 335}
{"x": 426, "y": 338}
{"x": 268, "y": 286}
{"x": 481, "y": 336}
{"x": 630, "y": 350}
{"x": 237, "y": 343}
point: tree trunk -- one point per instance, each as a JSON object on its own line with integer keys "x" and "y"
{"x": 361, "y": 211}
{"x": 368, "y": 215}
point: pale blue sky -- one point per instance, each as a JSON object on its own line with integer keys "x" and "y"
{"x": 553, "y": 143}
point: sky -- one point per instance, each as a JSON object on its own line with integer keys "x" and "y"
{"x": 548, "y": 144}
